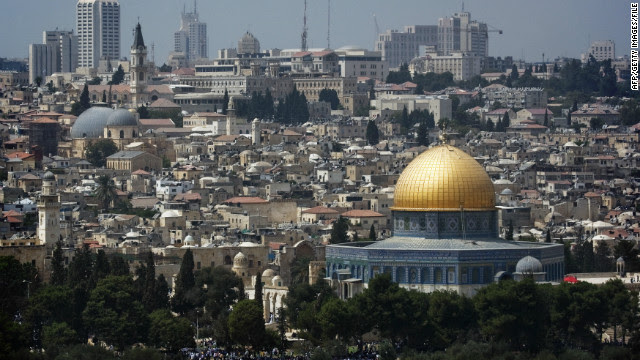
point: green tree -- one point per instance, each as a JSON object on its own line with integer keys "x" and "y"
{"x": 97, "y": 153}
{"x": 114, "y": 314}
{"x": 225, "y": 102}
{"x": 143, "y": 111}
{"x": 509, "y": 234}
{"x": 183, "y": 300}
{"x": 85, "y": 102}
{"x": 336, "y": 319}
{"x": 246, "y": 324}
{"x": 56, "y": 336}
{"x": 596, "y": 123}
{"x": 630, "y": 112}
{"x": 339, "y": 231}
{"x": 105, "y": 192}
{"x": 372, "y": 233}
{"x": 118, "y": 76}
{"x": 169, "y": 332}
{"x": 118, "y": 266}
{"x": 514, "y": 73}
{"x": 38, "y": 81}
{"x": 162, "y": 293}
{"x": 515, "y": 312}
{"x": 104, "y": 96}
{"x": 423, "y": 134}
{"x": 95, "y": 81}
{"x": 373, "y": 135}
{"x": 330, "y": 96}
{"x": 222, "y": 288}
{"x": 58, "y": 271}
{"x": 149, "y": 294}
{"x": 602, "y": 258}
{"x": 626, "y": 249}
{"x": 546, "y": 118}
{"x": 401, "y": 76}
{"x": 258, "y": 291}
{"x": 165, "y": 68}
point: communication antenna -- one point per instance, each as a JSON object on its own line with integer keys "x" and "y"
{"x": 153, "y": 52}
{"x": 329, "y": 25}
{"x": 303, "y": 45}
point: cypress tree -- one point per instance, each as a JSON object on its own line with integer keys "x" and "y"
{"x": 149, "y": 287}
{"x": 258, "y": 290}
{"x": 225, "y": 102}
{"x": 548, "y": 237}
{"x": 58, "y": 272}
{"x": 184, "y": 283}
{"x": 546, "y": 118}
{"x": 373, "y": 135}
{"x": 372, "y": 233}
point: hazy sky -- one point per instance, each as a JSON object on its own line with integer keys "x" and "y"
{"x": 530, "y": 28}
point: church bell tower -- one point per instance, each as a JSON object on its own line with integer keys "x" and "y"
{"x": 138, "y": 69}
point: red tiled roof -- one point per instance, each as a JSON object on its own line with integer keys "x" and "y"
{"x": 188, "y": 197}
{"x": 19, "y": 155}
{"x": 140, "y": 172}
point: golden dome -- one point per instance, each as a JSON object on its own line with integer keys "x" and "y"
{"x": 444, "y": 178}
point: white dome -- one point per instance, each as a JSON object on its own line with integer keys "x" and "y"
{"x": 268, "y": 273}
{"x": 276, "y": 281}
{"x": 240, "y": 260}
{"x": 170, "y": 213}
{"x": 188, "y": 240}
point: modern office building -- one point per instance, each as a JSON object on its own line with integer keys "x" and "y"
{"x": 601, "y": 50}
{"x": 98, "y": 27}
{"x": 57, "y": 53}
{"x": 66, "y": 45}
{"x": 42, "y": 61}
{"x": 191, "y": 39}
{"x": 400, "y": 47}
{"x": 460, "y": 33}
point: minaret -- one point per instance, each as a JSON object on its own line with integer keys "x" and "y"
{"x": 49, "y": 212}
{"x": 138, "y": 69}
{"x": 255, "y": 132}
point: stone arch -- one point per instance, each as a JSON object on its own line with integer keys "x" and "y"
{"x": 401, "y": 275}
{"x": 227, "y": 260}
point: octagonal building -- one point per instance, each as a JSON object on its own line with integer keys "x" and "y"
{"x": 445, "y": 233}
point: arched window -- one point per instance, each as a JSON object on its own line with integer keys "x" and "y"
{"x": 109, "y": 133}
{"x": 141, "y": 62}
{"x": 140, "y": 76}
{"x": 121, "y": 134}
{"x": 227, "y": 260}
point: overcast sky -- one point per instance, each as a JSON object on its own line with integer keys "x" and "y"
{"x": 530, "y": 28}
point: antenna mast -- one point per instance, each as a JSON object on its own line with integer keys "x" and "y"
{"x": 303, "y": 45}
{"x": 329, "y": 26}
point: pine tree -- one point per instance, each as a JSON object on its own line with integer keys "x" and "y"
{"x": 514, "y": 72}
{"x": 548, "y": 237}
{"x": 58, "y": 272}
{"x": 404, "y": 120}
{"x": 546, "y": 118}
{"x": 569, "y": 118}
{"x": 184, "y": 283}
{"x": 356, "y": 238}
{"x": 104, "y": 96}
{"x": 225, "y": 102}
{"x": 373, "y": 135}
{"x": 372, "y": 233}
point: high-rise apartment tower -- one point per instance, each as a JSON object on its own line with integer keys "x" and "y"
{"x": 98, "y": 27}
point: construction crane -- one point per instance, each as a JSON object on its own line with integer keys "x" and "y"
{"x": 329, "y": 25}
{"x": 377, "y": 28}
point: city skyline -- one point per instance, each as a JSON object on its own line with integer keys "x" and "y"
{"x": 557, "y": 30}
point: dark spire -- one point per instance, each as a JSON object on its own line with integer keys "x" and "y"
{"x": 138, "y": 40}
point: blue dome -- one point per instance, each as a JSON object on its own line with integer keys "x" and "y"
{"x": 122, "y": 117}
{"x": 91, "y": 123}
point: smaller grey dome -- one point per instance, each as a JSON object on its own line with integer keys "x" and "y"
{"x": 122, "y": 117}
{"x": 529, "y": 264}
{"x": 48, "y": 176}
{"x": 90, "y": 124}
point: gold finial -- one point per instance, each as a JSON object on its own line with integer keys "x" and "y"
{"x": 443, "y": 137}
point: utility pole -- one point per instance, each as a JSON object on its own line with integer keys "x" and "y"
{"x": 329, "y": 25}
